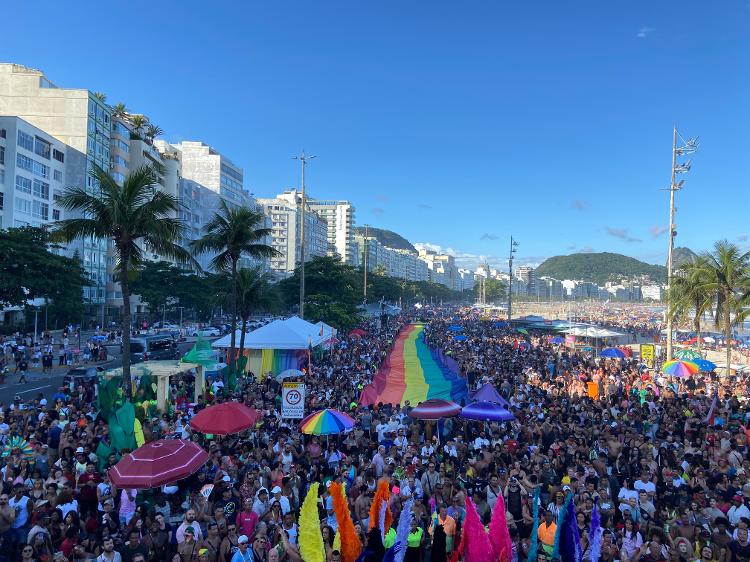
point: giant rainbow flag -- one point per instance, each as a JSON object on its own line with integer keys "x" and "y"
{"x": 414, "y": 372}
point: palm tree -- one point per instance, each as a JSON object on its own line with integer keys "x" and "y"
{"x": 688, "y": 295}
{"x": 102, "y": 97}
{"x": 135, "y": 217}
{"x": 254, "y": 293}
{"x": 119, "y": 110}
{"x": 232, "y": 232}
{"x": 139, "y": 122}
{"x": 153, "y": 131}
{"x": 728, "y": 280}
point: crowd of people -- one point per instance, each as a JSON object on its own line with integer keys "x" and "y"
{"x": 664, "y": 463}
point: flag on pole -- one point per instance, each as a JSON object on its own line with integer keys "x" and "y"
{"x": 711, "y": 412}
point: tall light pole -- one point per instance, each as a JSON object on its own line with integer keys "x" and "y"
{"x": 513, "y": 247}
{"x": 688, "y": 147}
{"x": 364, "y": 259}
{"x": 303, "y": 158}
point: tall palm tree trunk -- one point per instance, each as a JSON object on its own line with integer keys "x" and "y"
{"x": 125, "y": 286}
{"x": 728, "y": 331}
{"x": 697, "y": 326}
{"x": 242, "y": 336}
{"x": 234, "y": 313}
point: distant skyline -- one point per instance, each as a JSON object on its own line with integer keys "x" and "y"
{"x": 455, "y": 125}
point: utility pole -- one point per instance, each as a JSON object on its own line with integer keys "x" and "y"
{"x": 303, "y": 158}
{"x": 513, "y": 247}
{"x": 36, "y": 321}
{"x": 365, "y": 252}
{"x": 689, "y": 147}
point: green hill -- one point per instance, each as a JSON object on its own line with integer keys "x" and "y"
{"x": 598, "y": 267}
{"x": 387, "y": 238}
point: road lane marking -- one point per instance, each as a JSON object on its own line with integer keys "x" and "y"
{"x": 33, "y": 389}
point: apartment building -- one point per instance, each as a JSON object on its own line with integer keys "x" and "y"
{"x": 32, "y": 174}
{"x": 393, "y": 262}
{"x": 285, "y": 218}
{"x": 79, "y": 119}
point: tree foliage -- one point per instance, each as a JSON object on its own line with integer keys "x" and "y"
{"x": 495, "y": 291}
{"x": 136, "y": 217}
{"x": 598, "y": 267}
{"x": 30, "y": 269}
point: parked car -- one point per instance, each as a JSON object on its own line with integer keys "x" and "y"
{"x": 146, "y": 348}
{"x": 207, "y": 332}
{"x": 80, "y": 375}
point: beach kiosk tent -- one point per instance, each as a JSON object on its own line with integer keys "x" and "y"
{"x": 278, "y": 346}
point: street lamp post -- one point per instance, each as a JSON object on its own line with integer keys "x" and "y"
{"x": 513, "y": 247}
{"x": 688, "y": 147}
{"x": 303, "y": 158}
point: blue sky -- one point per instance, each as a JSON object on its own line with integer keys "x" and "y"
{"x": 453, "y": 123}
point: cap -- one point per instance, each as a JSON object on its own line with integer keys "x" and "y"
{"x": 189, "y": 530}
{"x": 276, "y": 490}
{"x": 242, "y": 539}
{"x": 737, "y": 498}
{"x": 79, "y": 450}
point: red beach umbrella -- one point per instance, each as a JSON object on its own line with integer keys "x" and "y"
{"x": 435, "y": 409}
{"x": 158, "y": 463}
{"x": 225, "y": 419}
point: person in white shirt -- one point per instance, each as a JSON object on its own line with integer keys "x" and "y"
{"x": 480, "y": 441}
{"x": 643, "y": 483}
{"x": 283, "y": 500}
{"x": 737, "y": 511}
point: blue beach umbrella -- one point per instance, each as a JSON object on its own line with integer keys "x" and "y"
{"x": 612, "y": 352}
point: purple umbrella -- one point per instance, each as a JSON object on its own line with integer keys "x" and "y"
{"x": 435, "y": 409}
{"x": 485, "y": 411}
{"x": 489, "y": 393}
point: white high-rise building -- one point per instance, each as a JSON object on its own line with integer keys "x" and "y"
{"x": 32, "y": 174}
{"x": 82, "y": 121}
{"x": 285, "y": 219}
{"x": 207, "y": 166}
{"x": 339, "y": 215}
{"x": 441, "y": 268}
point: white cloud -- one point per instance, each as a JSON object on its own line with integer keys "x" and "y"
{"x": 644, "y": 32}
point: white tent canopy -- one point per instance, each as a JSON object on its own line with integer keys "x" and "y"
{"x": 592, "y": 332}
{"x": 293, "y": 333}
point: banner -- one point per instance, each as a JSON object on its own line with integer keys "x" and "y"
{"x": 570, "y": 341}
{"x": 293, "y": 400}
{"x": 647, "y": 353}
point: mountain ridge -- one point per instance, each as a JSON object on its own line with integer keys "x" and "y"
{"x": 387, "y": 238}
{"x": 599, "y": 267}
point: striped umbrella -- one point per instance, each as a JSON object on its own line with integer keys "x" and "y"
{"x": 680, "y": 368}
{"x": 686, "y": 354}
{"x": 326, "y": 422}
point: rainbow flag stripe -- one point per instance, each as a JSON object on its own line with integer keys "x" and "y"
{"x": 413, "y": 372}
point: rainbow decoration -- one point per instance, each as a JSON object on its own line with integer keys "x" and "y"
{"x": 414, "y": 372}
{"x": 326, "y": 422}
{"x": 680, "y": 368}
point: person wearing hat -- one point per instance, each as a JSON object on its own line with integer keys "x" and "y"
{"x": 283, "y": 500}
{"x": 189, "y": 547}
{"x": 738, "y": 510}
{"x": 243, "y": 554}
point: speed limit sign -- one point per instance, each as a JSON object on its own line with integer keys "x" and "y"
{"x": 293, "y": 400}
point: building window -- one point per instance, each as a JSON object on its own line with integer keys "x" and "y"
{"x": 2, "y": 200}
{"x": 22, "y": 205}
{"x": 25, "y": 141}
{"x": 123, "y": 146}
{"x": 41, "y": 189}
{"x": 32, "y": 165}
{"x": 42, "y": 148}
{"x": 57, "y": 155}
{"x": 2, "y": 155}
{"x": 40, "y": 210}
{"x": 3, "y": 133}
{"x": 56, "y": 214}
{"x": 2, "y": 177}
{"x": 57, "y": 175}
{"x": 23, "y": 184}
